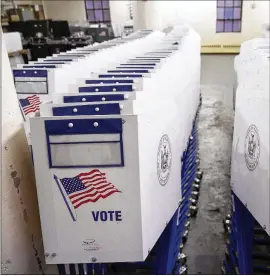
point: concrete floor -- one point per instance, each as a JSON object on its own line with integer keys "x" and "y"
{"x": 206, "y": 243}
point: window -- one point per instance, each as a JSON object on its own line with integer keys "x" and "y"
{"x": 98, "y": 11}
{"x": 229, "y": 16}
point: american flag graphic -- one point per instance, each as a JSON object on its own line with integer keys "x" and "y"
{"x": 30, "y": 104}
{"x": 85, "y": 187}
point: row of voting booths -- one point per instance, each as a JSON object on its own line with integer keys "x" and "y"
{"x": 248, "y": 226}
{"x": 112, "y": 131}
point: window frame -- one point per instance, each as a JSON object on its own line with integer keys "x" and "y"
{"x": 102, "y": 9}
{"x": 232, "y": 20}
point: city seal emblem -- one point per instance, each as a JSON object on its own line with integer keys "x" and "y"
{"x": 252, "y": 148}
{"x": 164, "y": 160}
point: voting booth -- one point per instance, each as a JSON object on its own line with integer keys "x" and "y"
{"x": 32, "y": 87}
{"x": 124, "y": 160}
{"x": 250, "y": 156}
{"x": 37, "y": 82}
{"x": 107, "y": 147}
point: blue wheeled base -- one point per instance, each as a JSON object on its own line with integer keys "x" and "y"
{"x": 248, "y": 245}
{"x": 82, "y": 269}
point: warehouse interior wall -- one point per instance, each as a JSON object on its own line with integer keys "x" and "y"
{"x": 161, "y": 14}
{"x": 201, "y": 15}
{"x": 139, "y": 17}
{"x": 22, "y": 250}
{"x": 74, "y": 11}
{"x": 28, "y": 2}
{"x": 119, "y": 12}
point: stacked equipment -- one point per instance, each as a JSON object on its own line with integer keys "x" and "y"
{"x": 37, "y": 82}
{"x": 256, "y": 246}
{"x": 249, "y": 223}
{"x": 107, "y": 156}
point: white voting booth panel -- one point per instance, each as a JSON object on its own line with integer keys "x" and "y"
{"x": 136, "y": 159}
{"x": 104, "y": 104}
{"x": 95, "y": 81}
{"x": 182, "y": 88}
{"x": 90, "y": 97}
{"x": 107, "y": 85}
{"x": 37, "y": 82}
{"x": 250, "y": 155}
{"x": 51, "y": 61}
{"x": 127, "y": 75}
{"x": 107, "y": 58}
{"x": 102, "y": 180}
{"x": 32, "y": 89}
{"x": 32, "y": 81}
{"x": 82, "y": 67}
{"x": 106, "y": 77}
{"x": 57, "y": 60}
{"x": 71, "y": 75}
{"x": 35, "y": 86}
{"x": 93, "y": 108}
{"x": 250, "y": 158}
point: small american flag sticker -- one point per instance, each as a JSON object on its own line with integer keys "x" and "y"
{"x": 30, "y": 104}
{"x": 84, "y": 188}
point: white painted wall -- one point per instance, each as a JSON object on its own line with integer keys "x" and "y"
{"x": 119, "y": 10}
{"x": 139, "y": 16}
{"x": 202, "y": 16}
{"x": 22, "y": 250}
{"x": 73, "y": 11}
{"x": 28, "y": 2}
